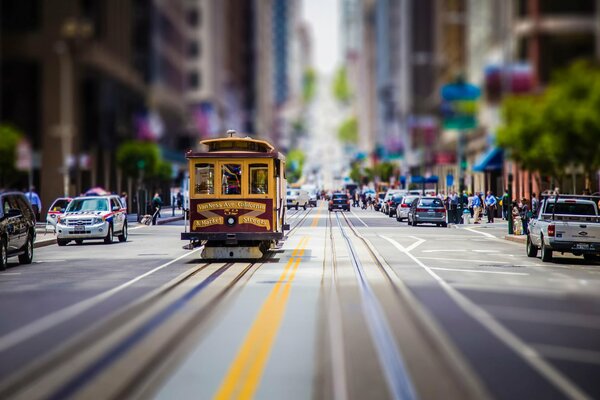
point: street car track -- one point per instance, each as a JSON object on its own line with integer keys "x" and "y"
{"x": 390, "y": 358}
{"x": 16, "y": 384}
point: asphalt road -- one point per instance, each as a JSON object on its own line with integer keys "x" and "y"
{"x": 352, "y": 305}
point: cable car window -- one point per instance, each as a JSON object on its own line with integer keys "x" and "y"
{"x": 205, "y": 179}
{"x": 231, "y": 181}
{"x": 259, "y": 179}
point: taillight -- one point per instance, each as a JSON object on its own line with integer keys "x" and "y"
{"x": 348, "y": 201}
{"x": 404, "y": 205}
{"x": 330, "y": 201}
{"x": 421, "y": 210}
{"x": 551, "y": 230}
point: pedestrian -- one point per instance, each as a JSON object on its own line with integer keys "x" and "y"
{"x": 535, "y": 204}
{"x": 505, "y": 205}
{"x": 525, "y": 213}
{"x": 477, "y": 206}
{"x": 490, "y": 204}
{"x": 156, "y": 205}
{"x": 470, "y": 204}
{"x": 370, "y": 203}
{"x": 453, "y": 212}
{"x": 516, "y": 216}
{"x": 35, "y": 202}
{"x": 179, "y": 200}
{"x": 356, "y": 198}
{"x": 124, "y": 199}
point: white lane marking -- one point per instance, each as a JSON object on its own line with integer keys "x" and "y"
{"x": 418, "y": 242}
{"x": 486, "y": 251}
{"x": 478, "y": 271}
{"x": 568, "y": 353}
{"x": 138, "y": 227}
{"x": 53, "y": 319}
{"x": 481, "y": 233}
{"x": 445, "y": 250}
{"x": 497, "y": 329}
{"x": 464, "y": 260}
{"x": 10, "y": 273}
{"x": 360, "y": 219}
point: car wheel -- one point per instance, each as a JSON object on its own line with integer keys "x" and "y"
{"x": 3, "y": 255}
{"x": 62, "y": 242}
{"x": 546, "y": 253}
{"x": 444, "y": 224}
{"x": 79, "y": 241}
{"x": 27, "y": 257}
{"x": 123, "y": 235}
{"x": 531, "y": 249}
{"x": 109, "y": 235}
{"x": 591, "y": 257}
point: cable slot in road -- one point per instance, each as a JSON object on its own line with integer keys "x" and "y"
{"x": 393, "y": 365}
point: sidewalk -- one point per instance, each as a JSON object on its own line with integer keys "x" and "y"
{"x": 166, "y": 215}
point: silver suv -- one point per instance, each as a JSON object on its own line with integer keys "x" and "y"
{"x": 92, "y": 217}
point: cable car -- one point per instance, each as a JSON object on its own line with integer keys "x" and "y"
{"x": 237, "y": 198}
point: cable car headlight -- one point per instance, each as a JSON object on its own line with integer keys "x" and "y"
{"x": 230, "y": 221}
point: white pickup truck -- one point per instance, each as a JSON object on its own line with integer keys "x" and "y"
{"x": 569, "y": 224}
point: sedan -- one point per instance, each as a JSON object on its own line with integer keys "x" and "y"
{"x": 429, "y": 210}
{"x": 403, "y": 206}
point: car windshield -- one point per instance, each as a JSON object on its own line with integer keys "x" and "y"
{"x": 432, "y": 203}
{"x": 339, "y": 196}
{"x": 88, "y": 205}
{"x": 59, "y": 205}
{"x": 571, "y": 209}
{"x": 409, "y": 200}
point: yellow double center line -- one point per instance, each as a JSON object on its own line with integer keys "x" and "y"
{"x": 246, "y": 371}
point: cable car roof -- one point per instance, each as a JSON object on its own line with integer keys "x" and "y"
{"x": 238, "y": 144}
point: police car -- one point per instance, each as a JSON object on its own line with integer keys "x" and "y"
{"x": 92, "y": 218}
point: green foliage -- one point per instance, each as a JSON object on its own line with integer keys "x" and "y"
{"x": 135, "y": 155}
{"x": 9, "y": 139}
{"x": 355, "y": 173}
{"x": 163, "y": 172}
{"x": 295, "y": 165}
{"x": 341, "y": 87}
{"x": 560, "y": 128}
{"x": 383, "y": 171}
{"x": 309, "y": 85}
{"x": 348, "y": 131}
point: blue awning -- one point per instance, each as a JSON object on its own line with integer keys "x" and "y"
{"x": 493, "y": 160}
{"x": 417, "y": 179}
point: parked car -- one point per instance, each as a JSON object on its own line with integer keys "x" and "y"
{"x": 17, "y": 228}
{"x": 569, "y": 224}
{"x": 297, "y": 198}
{"x": 339, "y": 201}
{"x": 92, "y": 217}
{"x": 57, "y": 208}
{"x": 387, "y": 199}
{"x": 402, "y": 207}
{"x": 429, "y": 210}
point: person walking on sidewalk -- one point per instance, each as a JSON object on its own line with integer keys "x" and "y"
{"x": 490, "y": 204}
{"x": 453, "y": 214}
{"x": 535, "y": 204}
{"x": 477, "y": 204}
{"x": 156, "y": 205}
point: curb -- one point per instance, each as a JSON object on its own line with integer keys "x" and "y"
{"x": 169, "y": 219}
{"x": 44, "y": 242}
{"x": 516, "y": 238}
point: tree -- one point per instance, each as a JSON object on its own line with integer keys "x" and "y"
{"x": 295, "y": 165}
{"x": 136, "y": 155}
{"x": 9, "y": 139}
{"x": 560, "y": 128}
{"x": 309, "y": 85}
{"x": 348, "y": 131}
{"x": 341, "y": 87}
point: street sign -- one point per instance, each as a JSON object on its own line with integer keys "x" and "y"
{"x": 24, "y": 156}
{"x": 459, "y": 105}
{"x": 449, "y": 180}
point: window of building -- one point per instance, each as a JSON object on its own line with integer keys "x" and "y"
{"x": 194, "y": 80}
{"x": 231, "y": 179}
{"x": 193, "y": 17}
{"x": 205, "y": 179}
{"x": 259, "y": 179}
{"x": 194, "y": 49}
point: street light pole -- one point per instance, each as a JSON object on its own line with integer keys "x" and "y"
{"x": 66, "y": 111}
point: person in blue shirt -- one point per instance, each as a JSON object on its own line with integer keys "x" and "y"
{"x": 476, "y": 208}
{"x": 490, "y": 205}
{"x": 35, "y": 202}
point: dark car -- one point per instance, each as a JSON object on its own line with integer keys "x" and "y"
{"x": 17, "y": 228}
{"x": 394, "y": 203}
{"x": 427, "y": 210}
{"x": 339, "y": 201}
